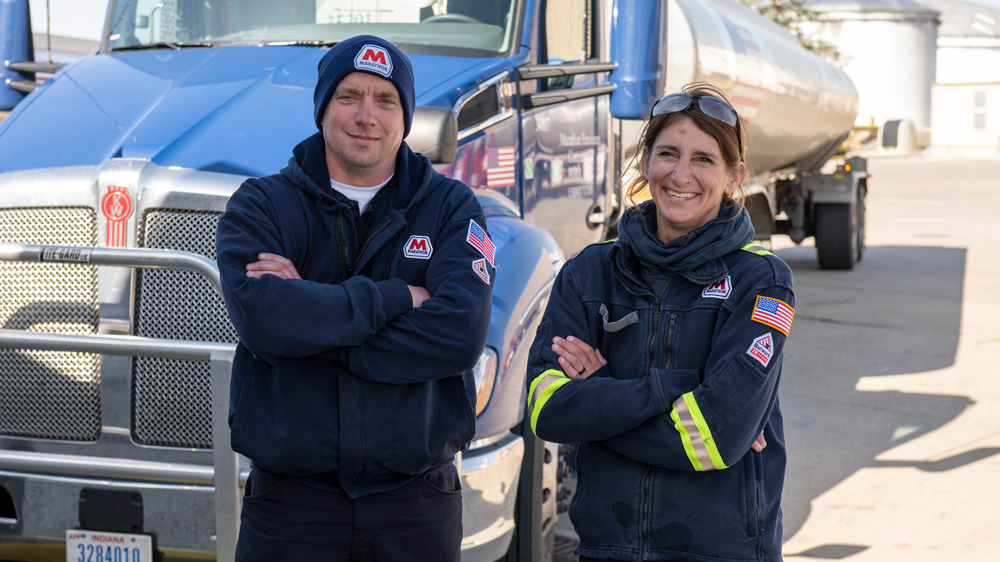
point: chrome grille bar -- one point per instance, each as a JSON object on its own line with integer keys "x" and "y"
{"x": 170, "y": 397}
{"x": 49, "y": 394}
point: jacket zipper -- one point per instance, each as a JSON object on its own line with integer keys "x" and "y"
{"x": 670, "y": 341}
{"x": 652, "y": 364}
{"x": 368, "y": 240}
{"x": 670, "y": 330}
{"x": 656, "y": 321}
{"x": 342, "y": 248}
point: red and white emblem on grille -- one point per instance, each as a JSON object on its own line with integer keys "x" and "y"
{"x": 117, "y": 208}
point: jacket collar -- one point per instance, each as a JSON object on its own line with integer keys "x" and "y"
{"x": 307, "y": 169}
{"x": 707, "y": 273}
{"x": 626, "y": 267}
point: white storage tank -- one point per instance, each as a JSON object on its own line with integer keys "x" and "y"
{"x": 968, "y": 42}
{"x": 891, "y": 48}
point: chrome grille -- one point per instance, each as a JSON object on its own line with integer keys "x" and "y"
{"x": 171, "y": 398}
{"x": 49, "y": 394}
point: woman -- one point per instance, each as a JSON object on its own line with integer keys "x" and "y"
{"x": 681, "y": 453}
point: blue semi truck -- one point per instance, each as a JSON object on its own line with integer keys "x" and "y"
{"x": 114, "y": 341}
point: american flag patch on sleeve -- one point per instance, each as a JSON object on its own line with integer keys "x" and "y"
{"x": 481, "y": 241}
{"x": 773, "y": 313}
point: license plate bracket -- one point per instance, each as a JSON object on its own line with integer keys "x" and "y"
{"x": 117, "y": 511}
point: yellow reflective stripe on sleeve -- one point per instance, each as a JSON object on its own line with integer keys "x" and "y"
{"x": 695, "y": 434}
{"x": 539, "y": 379}
{"x": 541, "y": 390}
{"x": 755, "y": 249}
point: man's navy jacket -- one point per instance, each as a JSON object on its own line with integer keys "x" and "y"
{"x": 665, "y": 466}
{"x": 337, "y": 380}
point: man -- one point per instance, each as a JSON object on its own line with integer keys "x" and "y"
{"x": 350, "y": 278}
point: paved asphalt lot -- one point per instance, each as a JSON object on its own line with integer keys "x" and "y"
{"x": 891, "y": 383}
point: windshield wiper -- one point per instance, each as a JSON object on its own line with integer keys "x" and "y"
{"x": 165, "y": 45}
{"x": 303, "y": 43}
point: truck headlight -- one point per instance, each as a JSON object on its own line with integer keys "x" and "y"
{"x": 485, "y": 373}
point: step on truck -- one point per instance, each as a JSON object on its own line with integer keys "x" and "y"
{"x": 115, "y": 346}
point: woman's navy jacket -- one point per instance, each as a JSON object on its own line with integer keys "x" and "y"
{"x": 665, "y": 469}
{"x": 337, "y": 378}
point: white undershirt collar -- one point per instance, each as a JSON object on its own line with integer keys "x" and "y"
{"x": 361, "y": 195}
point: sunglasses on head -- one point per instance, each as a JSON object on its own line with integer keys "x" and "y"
{"x": 709, "y": 105}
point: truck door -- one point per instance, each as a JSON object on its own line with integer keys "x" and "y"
{"x": 565, "y": 133}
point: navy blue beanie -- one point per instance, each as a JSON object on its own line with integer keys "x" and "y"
{"x": 365, "y": 53}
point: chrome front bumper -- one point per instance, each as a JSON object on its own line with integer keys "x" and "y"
{"x": 179, "y": 500}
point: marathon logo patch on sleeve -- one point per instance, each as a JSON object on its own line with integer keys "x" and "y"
{"x": 479, "y": 266}
{"x": 418, "y": 247}
{"x": 374, "y": 59}
{"x": 720, "y": 290}
{"x": 774, "y": 313}
{"x": 479, "y": 240}
{"x": 762, "y": 349}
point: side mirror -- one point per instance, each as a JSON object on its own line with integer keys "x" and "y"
{"x": 141, "y": 22}
{"x": 638, "y": 30}
{"x": 434, "y": 133}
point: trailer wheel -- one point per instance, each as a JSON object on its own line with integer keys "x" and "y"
{"x": 860, "y": 208}
{"x": 837, "y": 234}
{"x": 535, "y": 508}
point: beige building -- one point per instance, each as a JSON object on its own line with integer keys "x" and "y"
{"x": 966, "y": 119}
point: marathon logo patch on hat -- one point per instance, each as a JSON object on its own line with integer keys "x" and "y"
{"x": 479, "y": 266}
{"x": 720, "y": 290}
{"x": 374, "y": 59}
{"x": 762, "y": 349}
{"x": 418, "y": 247}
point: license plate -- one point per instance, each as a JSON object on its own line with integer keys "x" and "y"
{"x": 98, "y": 546}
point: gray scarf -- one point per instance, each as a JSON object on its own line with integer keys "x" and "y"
{"x": 730, "y": 231}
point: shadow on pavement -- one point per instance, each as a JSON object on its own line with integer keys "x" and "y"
{"x": 832, "y": 551}
{"x": 898, "y": 312}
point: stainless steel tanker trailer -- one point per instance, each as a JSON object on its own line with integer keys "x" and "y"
{"x": 115, "y": 347}
{"x": 800, "y": 109}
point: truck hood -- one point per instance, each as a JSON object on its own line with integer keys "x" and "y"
{"x": 237, "y": 110}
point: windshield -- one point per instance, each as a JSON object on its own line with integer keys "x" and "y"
{"x": 480, "y": 28}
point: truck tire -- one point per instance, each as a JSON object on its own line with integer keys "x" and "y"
{"x": 837, "y": 235}
{"x": 860, "y": 209}
{"x": 535, "y": 509}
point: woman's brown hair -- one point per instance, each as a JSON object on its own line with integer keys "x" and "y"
{"x": 723, "y": 134}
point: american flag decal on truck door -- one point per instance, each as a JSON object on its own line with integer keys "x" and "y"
{"x": 500, "y": 166}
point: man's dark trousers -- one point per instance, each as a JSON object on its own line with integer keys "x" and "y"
{"x": 285, "y": 520}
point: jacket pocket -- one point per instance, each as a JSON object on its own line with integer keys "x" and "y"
{"x": 732, "y": 393}
{"x": 410, "y": 428}
{"x": 286, "y": 419}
